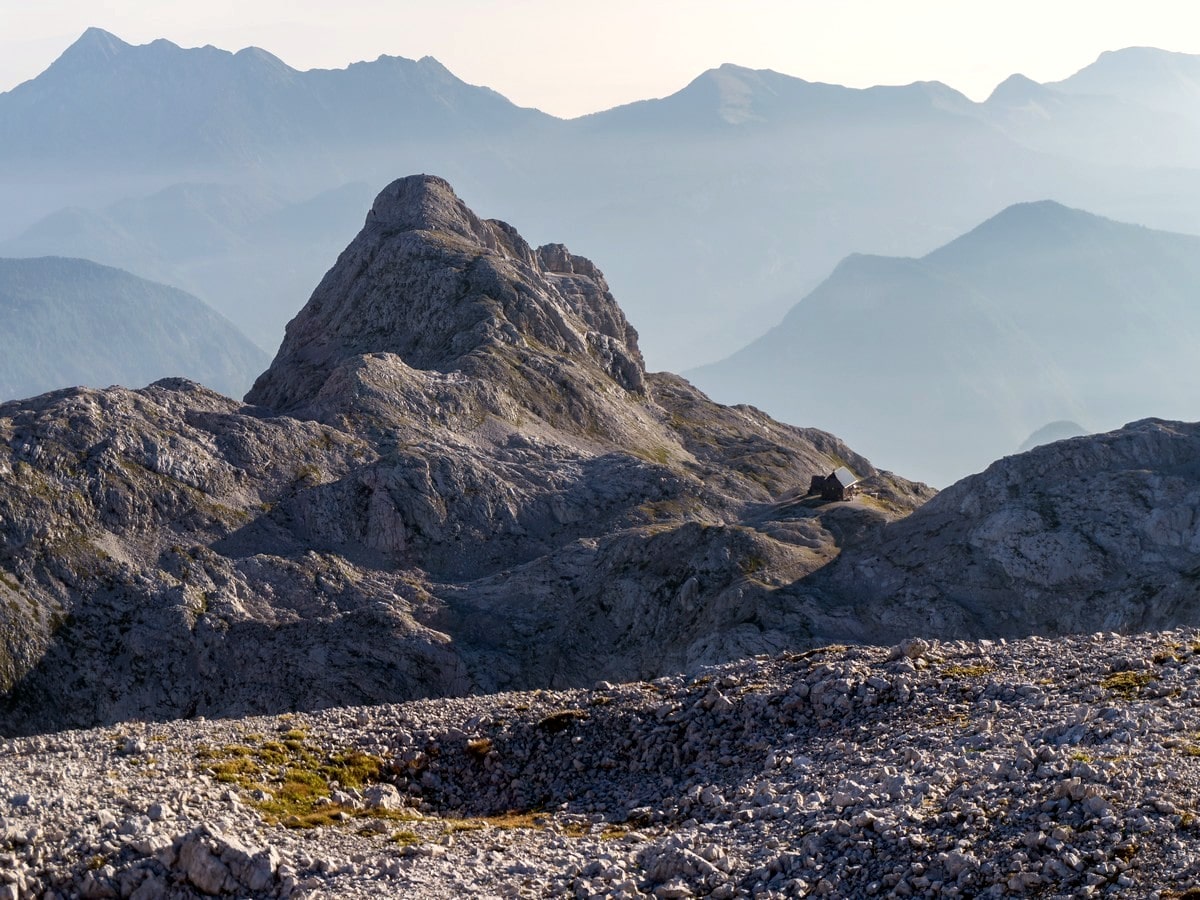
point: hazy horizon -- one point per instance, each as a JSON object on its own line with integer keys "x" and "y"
{"x": 569, "y": 61}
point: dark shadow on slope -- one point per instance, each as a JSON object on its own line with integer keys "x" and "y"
{"x": 457, "y": 517}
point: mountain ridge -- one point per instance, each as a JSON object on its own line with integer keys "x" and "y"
{"x": 1162, "y": 79}
{"x": 1027, "y": 544}
{"x": 738, "y": 95}
{"x": 54, "y": 308}
{"x": 1035, "y": 288}
{"x": 206, "y": 107}
{"x": 472, "y": 454}
{"x": 687, "y": 211}
{"x": 98, "y": 44}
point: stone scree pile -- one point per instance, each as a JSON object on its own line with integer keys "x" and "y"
{"x": 1062, "y": 768}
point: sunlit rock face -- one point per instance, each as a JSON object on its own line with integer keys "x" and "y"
{"x": 455, "y": 476}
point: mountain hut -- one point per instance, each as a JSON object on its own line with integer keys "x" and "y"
{"x": 840, "y": 484}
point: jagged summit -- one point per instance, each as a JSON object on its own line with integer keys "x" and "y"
{"x": 471, "y": 483}
{"x": 441, "y": 290}
{"x": 94, "y": 47}
{"x": 426, "y": 203}
{"x": 97, "y": 39}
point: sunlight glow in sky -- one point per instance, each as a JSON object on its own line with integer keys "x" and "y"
{"x": 569, "y": 57}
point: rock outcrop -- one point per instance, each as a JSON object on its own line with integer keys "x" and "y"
{"x": 1095, "y": 533}
{"x": 456, "y": 476}
{"x": 437, "y": 289}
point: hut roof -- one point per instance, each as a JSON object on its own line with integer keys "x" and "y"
{"x": 844, "y": 477}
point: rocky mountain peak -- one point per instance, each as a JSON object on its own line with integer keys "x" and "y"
{"x": 93, "y": 48}
{"x": 426, "y": 203}
{"x": 435, "y": 288}
{"x": 473, "y": 485}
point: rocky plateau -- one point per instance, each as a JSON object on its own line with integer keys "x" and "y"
{"x": 463, "y": 601}
{"x": 1046, "y": 768}
{"x": 456, "y": 476}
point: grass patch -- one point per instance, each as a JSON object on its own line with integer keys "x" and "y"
{"x": 1126, "y": 851}
{"x": 752, "y": 565}
{"x": 295, "y": 779}
{"x": 509, "y": 821}
{"x": 975, "y": 671}
{"x": 1127, "y": 684}
{"x": 353, "y": 769}
{"x": 479, "y": 747}
{"x": 308, "y": 475}
{"x": 560, "y": 720}
{"x": 235, "y": 770}
{"x": 454, "y": 826}
{"x": 656, "y": 454}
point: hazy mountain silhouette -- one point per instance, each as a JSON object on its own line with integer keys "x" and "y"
{"x": 725, "y": 201}
{"x": 731, "y": 96}
{"x": 71, "y": 322}
{"x": 247, "y": 251}
{"x": 167, "y": 108}
{"x": 1156, "y": 79}
{"x": 938, "y": 365}
{"x": 717, "y": 206}
{"x": 1051, "y": 432}
{"x": 1111, "y": 127}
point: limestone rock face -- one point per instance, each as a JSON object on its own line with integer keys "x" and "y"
{"x": 1096, "y": 533}
{"x": 428, "y": 282}
{"x": 455, "y": 476}
{"x": 119, "y": 599}
{"x": 458, "y": 477}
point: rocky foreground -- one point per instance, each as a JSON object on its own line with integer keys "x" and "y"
{"x": 1062, "y": 768}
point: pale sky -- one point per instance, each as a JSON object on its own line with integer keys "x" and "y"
{"x": 569, "y": 57}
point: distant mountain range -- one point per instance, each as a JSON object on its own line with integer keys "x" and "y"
{"x": 165, "y": 108}
{"x": 936, "y": 366}
{"x": 71, "y": 322}
{"x": 717, "y": 207}
{"x": 1059, "y": 430}
{"x": 1155, "y": 79}
{"x": 248, "y": 248}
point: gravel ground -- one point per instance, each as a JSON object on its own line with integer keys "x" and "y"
{"x": 1048, "y": 768}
